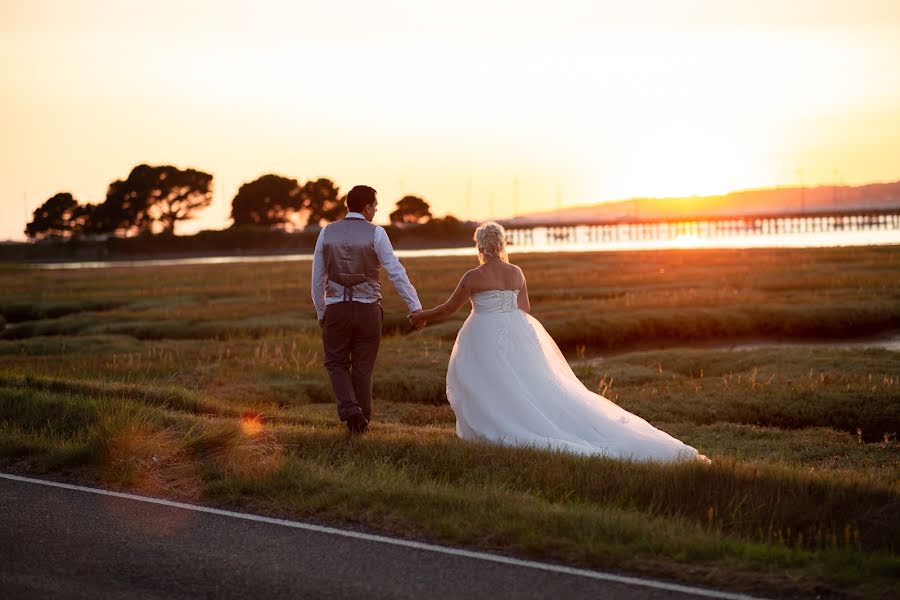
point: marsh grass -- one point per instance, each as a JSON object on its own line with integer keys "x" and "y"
{"x": 603, "y": 300}
{"x": 848, "y": 390}
{"x": 205, "y": 383}
{"x": 421, "y": 481}
{"x": 15, "y": 312}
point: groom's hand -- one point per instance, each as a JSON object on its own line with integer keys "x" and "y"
{"x": 414, "y": 321}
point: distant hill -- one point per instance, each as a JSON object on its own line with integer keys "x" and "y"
{"x": 742, "y": 203}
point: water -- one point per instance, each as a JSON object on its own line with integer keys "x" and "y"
{"x": 219, "y": 260}
{"x": 541, "y": 244}
{"x": 889, "y": 341}
{"x": 543, "y": 241}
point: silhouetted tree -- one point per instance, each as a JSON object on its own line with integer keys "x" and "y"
{"x": 115, "y": 215}
{"x": 150, "y": 196}
{"x": 449, "y": 227}
{"x": 53, "y": 217}
{"x": 410, "y": 210}
{"x": 125, "y": 209}
{"x": 82, "y": 219}
{"x": 176, "y": 195}
{"x": 269, "y": 200}
{"x": 322, "y": 202}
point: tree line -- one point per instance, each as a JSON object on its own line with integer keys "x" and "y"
{"x": 153, "y": 199}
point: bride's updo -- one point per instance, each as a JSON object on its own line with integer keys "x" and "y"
{"x": 490, "y": 238}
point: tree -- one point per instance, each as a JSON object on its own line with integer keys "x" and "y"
{"x": 449, "y": 222}
{"x": 83, "y": 219}
{"x": 322, "y": 202}
{"x": 112, "y": 216}
{"x": 53, "y": 218}
{"x": 125, "y": 209}
{"x": 150, "y": 197}
{"x": 410, "y": 210}
{"x": 175, "y": 195}
{"x": 269, "y": 200}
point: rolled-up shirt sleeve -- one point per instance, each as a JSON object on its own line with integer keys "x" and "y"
{"x": 395, "y": 271}
{"x": 319, "y": 277}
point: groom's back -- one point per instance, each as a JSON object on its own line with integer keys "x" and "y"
{"x": 350, "y": 258}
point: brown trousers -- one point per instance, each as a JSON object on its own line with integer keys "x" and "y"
{"x": 351, "y": 334}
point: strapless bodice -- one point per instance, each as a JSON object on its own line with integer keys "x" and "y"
{"x": 495, "y": 301}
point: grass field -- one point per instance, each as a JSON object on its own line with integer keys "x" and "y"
{"x": 205, "y": 383}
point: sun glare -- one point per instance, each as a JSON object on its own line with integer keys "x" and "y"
{"x": 608, "y": 102}
{"x": 251, "y": 424}
{"x": 688, "y": 240}
{"x": 700, "y": 163}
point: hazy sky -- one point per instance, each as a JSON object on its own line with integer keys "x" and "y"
{"x": 452, "y": 101}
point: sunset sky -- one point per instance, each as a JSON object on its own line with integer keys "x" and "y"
{"x": 451, "y": 101}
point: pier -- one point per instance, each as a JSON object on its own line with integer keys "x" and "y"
{"x": 708, "y": 227}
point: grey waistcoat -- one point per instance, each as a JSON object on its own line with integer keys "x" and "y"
{"x": 351, "y": 262}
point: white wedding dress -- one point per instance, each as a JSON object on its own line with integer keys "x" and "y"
{"x": 508, "y": 383}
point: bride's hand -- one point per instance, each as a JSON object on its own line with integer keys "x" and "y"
{"x": 416, "y": 319}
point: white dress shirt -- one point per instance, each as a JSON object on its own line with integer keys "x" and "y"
{"x": 387, "y": 258}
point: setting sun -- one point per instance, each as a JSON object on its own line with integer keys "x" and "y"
{"x": 684, "y": 161}
{"x": 485, "y": 110}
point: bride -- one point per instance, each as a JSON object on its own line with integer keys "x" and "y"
{"x": 508, "y": 382}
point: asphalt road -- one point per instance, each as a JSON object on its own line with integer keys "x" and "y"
{"x": 65, "y": 543}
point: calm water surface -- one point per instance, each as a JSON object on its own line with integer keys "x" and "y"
{"x": 784, "y": 240}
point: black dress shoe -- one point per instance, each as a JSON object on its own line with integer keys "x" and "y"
{"x": 357, "y": 424}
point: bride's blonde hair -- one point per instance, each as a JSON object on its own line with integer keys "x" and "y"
{"x": 490, "y": 238}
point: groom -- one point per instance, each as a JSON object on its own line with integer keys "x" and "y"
{"x": 346, "y": 290}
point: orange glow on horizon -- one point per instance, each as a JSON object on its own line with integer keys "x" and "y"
{"x": 484, "y": 111}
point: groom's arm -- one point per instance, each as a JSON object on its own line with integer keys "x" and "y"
{"x": 319, "y": 277}
{"x": 396, "y": 272}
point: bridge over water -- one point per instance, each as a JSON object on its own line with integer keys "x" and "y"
{"x": 703, "y": 227}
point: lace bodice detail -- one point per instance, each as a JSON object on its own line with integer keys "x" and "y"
{"x": 495, "y": 301}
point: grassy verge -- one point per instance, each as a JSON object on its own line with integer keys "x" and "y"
{"x": 811, "y": 510}
{"x": 205, "y": 384}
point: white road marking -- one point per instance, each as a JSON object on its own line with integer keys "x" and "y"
{"x": 528, "y": 564}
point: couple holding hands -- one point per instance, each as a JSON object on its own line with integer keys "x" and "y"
{"x": 507, "y": 381}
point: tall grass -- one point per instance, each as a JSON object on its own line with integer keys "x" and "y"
{"x": 734, "y": 515}
{"x": 609, "y": 300}
{"x": 206, "y": 383}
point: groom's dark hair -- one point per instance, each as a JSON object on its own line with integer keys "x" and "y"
{"x": 359, "y": 197}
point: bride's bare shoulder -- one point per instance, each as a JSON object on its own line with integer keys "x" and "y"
{"x": 518, "y": 271}
{"x": 470, "y": 276}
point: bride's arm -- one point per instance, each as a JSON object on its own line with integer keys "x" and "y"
{"x": 524, "y": 300}
{"x": 454, "y": 303}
